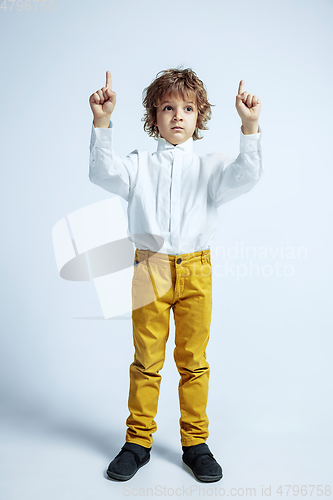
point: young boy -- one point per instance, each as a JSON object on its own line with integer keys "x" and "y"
{"x": 173, "y": 195}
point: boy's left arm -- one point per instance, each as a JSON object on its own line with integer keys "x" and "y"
{"x": 232, "y": 177}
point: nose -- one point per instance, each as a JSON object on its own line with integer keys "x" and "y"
{"x": 178, "y": 115}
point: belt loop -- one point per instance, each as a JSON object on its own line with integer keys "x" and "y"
{"x": 205, "y": 257}
{"x": 209, "y": 256}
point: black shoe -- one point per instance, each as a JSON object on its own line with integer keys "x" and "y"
{"x": 202, "y": 463}
{"x": 131, "y": 457}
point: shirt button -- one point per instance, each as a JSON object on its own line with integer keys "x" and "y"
{"x": 179, "y": 261}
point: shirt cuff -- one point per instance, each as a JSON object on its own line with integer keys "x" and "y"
{"x": 250, "y": 142}
{"x": 101, "y": 137}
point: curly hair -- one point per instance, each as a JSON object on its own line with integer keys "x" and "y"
{"x": 175, "y": 80}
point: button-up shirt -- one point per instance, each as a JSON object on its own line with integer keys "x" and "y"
{"x": 173, "y": 193}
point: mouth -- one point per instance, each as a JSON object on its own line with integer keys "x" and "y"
{"x": 177, "y": 128}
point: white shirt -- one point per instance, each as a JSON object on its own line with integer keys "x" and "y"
{"x": 173, "y": 193}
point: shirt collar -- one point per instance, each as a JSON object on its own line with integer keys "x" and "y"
{"x": 184, "y": 147}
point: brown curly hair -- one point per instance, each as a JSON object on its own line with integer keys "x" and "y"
{"x": 183, "y": 82}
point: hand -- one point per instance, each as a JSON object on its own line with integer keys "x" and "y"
{"x": 248, "y": 106}
{"x": 103, "y": 101}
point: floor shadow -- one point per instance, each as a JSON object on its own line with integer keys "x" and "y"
{"x": 107, "y": 442}
{"x": 35, "y": 421}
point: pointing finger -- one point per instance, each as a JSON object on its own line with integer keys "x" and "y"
{"x": 108, "y": 80}
{"x": 241, "y": 87}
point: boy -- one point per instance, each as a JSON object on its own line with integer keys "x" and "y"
{"x": 173, "y": 195}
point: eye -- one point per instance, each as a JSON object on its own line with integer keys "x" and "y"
{"x": 167, "y": 107}
{"x": 189, "y": 107}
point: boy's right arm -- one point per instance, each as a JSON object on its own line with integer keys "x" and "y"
{"x": 113, "y": 173}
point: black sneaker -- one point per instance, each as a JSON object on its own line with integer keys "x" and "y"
{"x": 202, "y": 463}
{"x": 131, "y": 457}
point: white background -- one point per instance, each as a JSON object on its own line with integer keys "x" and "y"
{"x": 64, "y": 378}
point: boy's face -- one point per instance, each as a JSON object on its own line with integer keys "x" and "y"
{"x": 176, "y": 119}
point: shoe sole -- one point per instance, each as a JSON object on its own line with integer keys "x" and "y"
{"x": 120, "y": 477}
{"x": 203, "y": 479}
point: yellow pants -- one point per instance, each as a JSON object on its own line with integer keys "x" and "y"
{"x": 183, "y": 283}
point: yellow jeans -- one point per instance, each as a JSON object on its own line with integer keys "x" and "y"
{"x": 183, "y": 283}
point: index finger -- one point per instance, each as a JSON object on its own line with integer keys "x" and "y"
{"x": 241, "y": 87}
{"x": 108, "y": 80}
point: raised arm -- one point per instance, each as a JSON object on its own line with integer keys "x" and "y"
{"x": 232, "y": 177}
{"x": 114, "y": 173}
